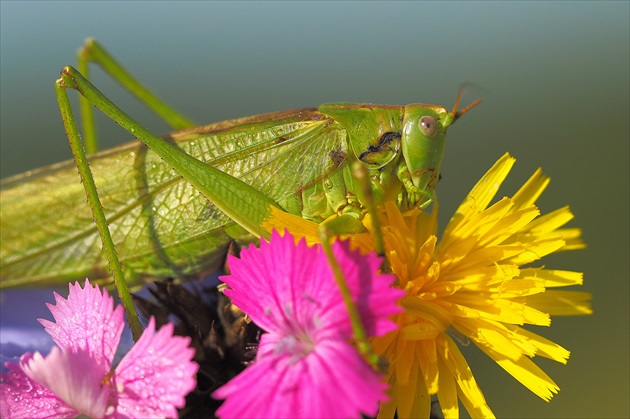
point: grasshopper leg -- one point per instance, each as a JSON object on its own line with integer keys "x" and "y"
{"x": 414, "y": 194}
{"x": 97, "y": 209}
{"x": 92, "y": 51}
{"x": 244, "y": 204}
{"x": 241, "y": 202}
{"x": 360, "y": 336}
{"x": 327, "y": 230}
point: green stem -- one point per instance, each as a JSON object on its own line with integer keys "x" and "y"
{"x": 358, "y": 330}
{"x": 97, "y": 210}
{"x": 360, "y": 173}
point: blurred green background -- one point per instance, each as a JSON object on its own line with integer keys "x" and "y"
{"x": 553, "y": 76}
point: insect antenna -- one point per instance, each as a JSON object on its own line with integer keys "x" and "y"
{"x": 455, "y": 113}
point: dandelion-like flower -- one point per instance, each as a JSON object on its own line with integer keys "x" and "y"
{"x": 472, "y": 285}
{"x": 306, "y": 364}
{"x": 77, "y": 378}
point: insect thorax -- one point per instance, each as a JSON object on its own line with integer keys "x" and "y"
{"x": 338, "y": 193}
{"x": 374, "y": 137}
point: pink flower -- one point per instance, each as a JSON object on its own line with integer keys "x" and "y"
{"x": 77, "y": 378}
{"x": 306, "y": 365}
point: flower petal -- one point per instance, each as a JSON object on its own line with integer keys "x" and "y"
{"x": 525, "y": 371}
{"x": 73, "y": 377}
{"x": 86, "y": 321}
{"x": 482, "y": 193}
{"x": 331, "y": 381}
{"x": 374, "y": 296}
{"x": 264, "y": 282}
{"x": 562, "y": 303}
{"x": 531, "y": 190}
{"x": 154, "y": 377}
{"x": 468, "y": 391}
{"x": 545, "y": 347}
{"x": 22, "y": 397}
{"x": 413, "y": 398}
{"x": 447, "y": 391}
{"x": 553, "y": 278}
{"x": 283, "y": 284}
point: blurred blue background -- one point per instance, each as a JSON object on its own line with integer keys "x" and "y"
{"x": 553, "y": 76}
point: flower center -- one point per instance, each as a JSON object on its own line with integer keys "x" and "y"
{"x": 298, "y": 339}
{"x": 296, "y": 346}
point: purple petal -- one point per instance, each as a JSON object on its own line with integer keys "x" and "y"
{"x": 282, "y": 286}
{"x": 21, "y": 397}
{"x": 305, "y": 366}
{"x": 155, "y": 376}
{"x": 74, "y": 378}
{"x": 353, "y": 384}
{"x": 86, "y": 321}
{"x": 374, "y": 296}
{"x": 331, "y": 381}
{"x": 261, "y": 280}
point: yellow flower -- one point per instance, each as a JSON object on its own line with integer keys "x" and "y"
{"x": 472, "y": 286}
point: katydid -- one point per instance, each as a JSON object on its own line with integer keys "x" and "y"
{"x": 174, "y": 204}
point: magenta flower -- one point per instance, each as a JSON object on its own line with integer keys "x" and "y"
{"x": 306, "y": 365}
{"x": 77, "y": 377}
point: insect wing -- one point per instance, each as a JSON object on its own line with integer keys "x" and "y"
{"x": 161, "y": 225}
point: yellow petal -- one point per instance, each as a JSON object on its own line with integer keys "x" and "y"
{"x": 387, "y": 410}
{"x": 414, "y": 400}
{"x": 550, "y": 222}
{"x": 497, "y": 338}
{"x": 523, "y": 286}
{"x": 426, "y": 310}
{"x": 553, "y": 278}
{"x": 482, "y": 193}
{"x": 447, "y": 391}
{"x": 506, "y": 311}
{"x": 572, "y": 237}
{"x": 480, "y": 223}
{"x": 562, "y": 303}
{"x": 545, "y": 347}
{"x": 427, "y": 358}
{"x": 527, "y": 373}
{"x": 475, "y": 411}
{"x": 504, "y": 229}
{"x": 468, "y": 391}
{"x": 421, "y": 330}
{"x": 536, "y": 249}
{"x": 403, "y": 358}
{"x": 531, "y": 190}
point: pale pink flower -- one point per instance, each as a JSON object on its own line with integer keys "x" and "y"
{"x": 306, "y": 365}
{"x": 77, "y": 378}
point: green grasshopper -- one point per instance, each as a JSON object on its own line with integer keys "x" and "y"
{"x": 173, "y": 204}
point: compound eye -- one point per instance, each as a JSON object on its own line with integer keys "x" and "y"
{"x": 428, "y": 126}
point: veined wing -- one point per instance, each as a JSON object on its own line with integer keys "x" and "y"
{"x": 160, "y": 224}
